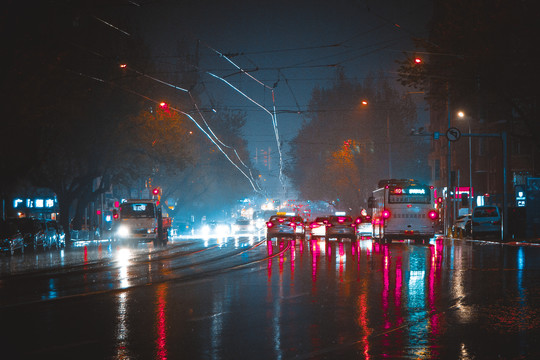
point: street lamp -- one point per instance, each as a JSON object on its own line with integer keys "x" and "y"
{"x": 461, "y": 115}
{"x": 389, "y": 145}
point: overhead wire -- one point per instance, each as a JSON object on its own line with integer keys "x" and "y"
{"x": 273, "y": 115}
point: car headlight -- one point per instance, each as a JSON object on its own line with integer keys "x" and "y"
{"x": 222, "y": 230}
{"x": 123, "y": 231}
{"x": 205, "y": 230}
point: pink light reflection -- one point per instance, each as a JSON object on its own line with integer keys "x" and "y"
{"x": 161, "y": 322}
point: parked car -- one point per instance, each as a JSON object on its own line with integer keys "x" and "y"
{"x": 33, "y": 231}
{"x": 341, "y": 226}
{"x": 11, "y": 238}
{"x": 280, "y": 226}
{"x": 317, "y": 227}
{"x": 462, "y": 226}
{"x": 51, "y": 232}
{"x": 486, "y": 221}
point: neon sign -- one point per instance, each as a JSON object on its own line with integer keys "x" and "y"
{"x": 38, "y": 203}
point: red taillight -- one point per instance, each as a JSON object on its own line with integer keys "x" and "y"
{"x": 386, "y": 214}
{"x": 269, "y": 224}
{"x": 281, "y": 220}
{"x": 314, "y": 225}
{"x": 433, "y": 215}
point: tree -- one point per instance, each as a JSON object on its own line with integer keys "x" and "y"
{"x": 81, "y": 117}
{"x": 342, "y": 151}
{"x": 482, "y": 55}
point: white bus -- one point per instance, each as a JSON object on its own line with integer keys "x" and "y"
{"x": 403, "y": 209}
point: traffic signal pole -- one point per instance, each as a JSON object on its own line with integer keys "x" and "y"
{"x": 453, "y": 134}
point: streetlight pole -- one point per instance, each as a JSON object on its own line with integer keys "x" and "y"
{"x": 389, "y": 144}
{"x": 461, "y": 114}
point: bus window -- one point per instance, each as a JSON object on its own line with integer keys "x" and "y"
{"x": 410, "y": 195}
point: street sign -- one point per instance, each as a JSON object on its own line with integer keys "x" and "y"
{"x": 453, "y": 134}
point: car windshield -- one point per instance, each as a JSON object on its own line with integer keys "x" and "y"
{"x": 341, "y": 219}
{"x": 7, "y": 228}
{"x": 137, "y": 210}
{"x": 277, "y": 217}
{"x": 486, "y": 212}
{"x": 25, "y": 225}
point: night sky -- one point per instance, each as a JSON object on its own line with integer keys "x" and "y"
{"x": 294, "y": 46}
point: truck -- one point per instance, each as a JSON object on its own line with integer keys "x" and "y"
{"x": 141, "y": 220}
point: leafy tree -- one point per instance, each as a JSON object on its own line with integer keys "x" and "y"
{"x": 80, "y": 117}
{"x": 210, "y": 182}
{"x": 342, "y": 151}
{"x": 481, "y": 55}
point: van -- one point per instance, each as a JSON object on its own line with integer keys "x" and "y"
{"x": 486, "y": 221}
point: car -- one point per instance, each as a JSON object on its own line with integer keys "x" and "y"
{"x": 216, "y": 229}
{"x": 300, "y": 229}
{"x": 486, "y": 221}
{"x": 243, "y": 226}
{"x": 341, "y": 226}
{"x": 364, "y": 227}
{"x": 462, "y": 226}
{"x": 57, "y": 232}
{"x": 11, "y": 238}
{"x": 51, "y": 235}
{"x": 280, "y": 226}
{"x": 33, "y": 232}
{"x": 317, "y": 227}
{"x": 181, "y": 228}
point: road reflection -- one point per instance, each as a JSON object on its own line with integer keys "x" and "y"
{"x": 407, "y": 278}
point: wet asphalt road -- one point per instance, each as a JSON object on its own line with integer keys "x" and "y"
{"x": 247, "y": 298}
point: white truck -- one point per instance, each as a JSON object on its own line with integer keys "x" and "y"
{"x": 140, "y": 220}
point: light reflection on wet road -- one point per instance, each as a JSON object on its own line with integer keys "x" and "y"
{"x": 247, "y": 298}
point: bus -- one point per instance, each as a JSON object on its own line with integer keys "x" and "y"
{"x": 403, "y": 209}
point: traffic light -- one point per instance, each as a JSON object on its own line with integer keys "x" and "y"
{"x": 164, "y": 106}
{"x": 155, "y": 191}
{"x": 115, "y": 214}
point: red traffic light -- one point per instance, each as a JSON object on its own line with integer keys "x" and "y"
{"x": 155, "y": 191}
{"x": 417, "y": 60}
{"x": 115, "y": 214}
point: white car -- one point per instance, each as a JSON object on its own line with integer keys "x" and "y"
{"x": 318, "y": 227}
{"x": 243, "y": 226}
{"x": 486, "y": 220}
